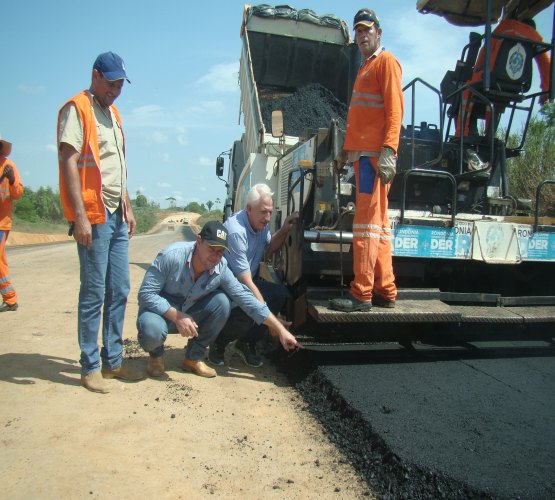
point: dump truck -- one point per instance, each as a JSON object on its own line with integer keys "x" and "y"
{"x": 469, "y": 258}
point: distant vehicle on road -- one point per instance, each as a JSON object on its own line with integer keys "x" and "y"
{"x": 185, "y": 220}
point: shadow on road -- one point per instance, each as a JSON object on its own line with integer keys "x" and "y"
{"x": 19, "y": 368}
{"x": 142, "y": 265}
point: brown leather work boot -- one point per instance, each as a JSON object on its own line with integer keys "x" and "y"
{"x": 94, "y": 382}
{"x": 155, "y": 366}
{"x": 122, "y": 372}
{"x": 198, "y": 368}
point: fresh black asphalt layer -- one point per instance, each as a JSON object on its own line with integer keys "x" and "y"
{"x": 474, "y": 422}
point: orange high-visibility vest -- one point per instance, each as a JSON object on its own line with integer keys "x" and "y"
{"x": 88, "y": 164}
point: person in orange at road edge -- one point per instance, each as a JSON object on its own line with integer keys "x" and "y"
{"x": 371, "y": 142}
{"x": 510, "y": 26}
{"x": 187, "y": 289}
{"x": 93, "y": 191}
{"x": 11, "y": 189}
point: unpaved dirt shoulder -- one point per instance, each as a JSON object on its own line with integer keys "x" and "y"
{"x": 19, "y": 238}
{"x": 244, "y": 434}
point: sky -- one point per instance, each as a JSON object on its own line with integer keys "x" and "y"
{"x": 181, "y": 109}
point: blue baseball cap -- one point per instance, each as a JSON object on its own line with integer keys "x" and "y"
{"x": 111, "y": 66}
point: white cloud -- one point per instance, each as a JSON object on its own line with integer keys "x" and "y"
{"x": 181, "y": 135}
{"x": 157, "y": 137}
{"x": 163, "y": 184}
{"x": 205, "y": 161}
{"x": 209, "y": 105}
{"x": 149, "y": 116}
{"x": 419, "y": 57}
{"x": 221, "y": 78}
{"x": 427, "y": 47}
{"x": 147, "y": 110}
{"x": 204, "y": 107}
{"x": 52, "y": 148}
{"x": 25, "y": 88}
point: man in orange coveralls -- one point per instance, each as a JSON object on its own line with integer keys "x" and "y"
{"x": 11, "y": 189}
{"x": 510, "y": 26}
{"x": 371, "y": 142}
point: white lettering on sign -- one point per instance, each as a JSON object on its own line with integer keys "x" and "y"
{"x": 463, "y": 229}
{"x": 538, "y": 244}
{"x": 442, "y": 244}
{"x": 406, "y": 242}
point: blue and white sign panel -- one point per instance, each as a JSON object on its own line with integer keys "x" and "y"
{"x": 535, "y": 246}
{"x": 433, "y": 242}
{"x": 488, "y": 241}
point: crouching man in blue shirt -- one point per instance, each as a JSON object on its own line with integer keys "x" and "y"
{"x": 249, "y": 242}
{"x": 185, "y": 290}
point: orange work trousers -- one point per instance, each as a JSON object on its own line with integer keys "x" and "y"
{"x": 6, "y": 288}
{"x": 372, "y": 248}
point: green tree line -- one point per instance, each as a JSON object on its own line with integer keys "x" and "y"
{"x": 41, "y": 205}
{"x": 44, "y": 206}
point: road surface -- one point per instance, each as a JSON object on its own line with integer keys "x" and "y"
{"x": 245, "y": 434}
{"x": 437, "y": 422}
{"x": 441, "y": 422}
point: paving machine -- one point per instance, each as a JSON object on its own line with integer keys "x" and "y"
{"x": 469, "y": 258}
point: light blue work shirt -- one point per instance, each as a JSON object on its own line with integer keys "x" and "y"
{"x": 246, "y": 246}
{"x": 170, "y": 282}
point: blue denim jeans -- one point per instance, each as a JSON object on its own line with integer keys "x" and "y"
{"x": 241, "y": 326}
{"x": 104, "y": 290}
{"x": 210, "y": 314}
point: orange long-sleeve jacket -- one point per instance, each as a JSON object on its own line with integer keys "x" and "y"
{"x": 8, "y": 194}
{"x": 512, "y": 27}
{"x": 376, "y": 109}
